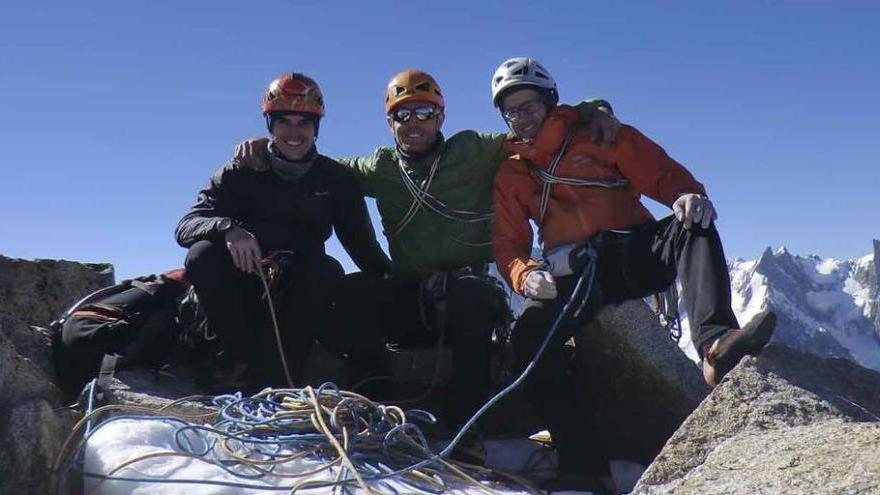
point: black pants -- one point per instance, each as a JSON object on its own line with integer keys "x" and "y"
{"x": 235, "y": 306}
{"x": 467, "y": 308}
{"x": 629, "y": 266}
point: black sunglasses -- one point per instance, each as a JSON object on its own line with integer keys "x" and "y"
{"x": 423, "y": 113}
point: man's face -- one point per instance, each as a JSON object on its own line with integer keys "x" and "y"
{"x": 412, "y": 134}
{"x": 525, "y": 111}
{"x": 294, "y": 135}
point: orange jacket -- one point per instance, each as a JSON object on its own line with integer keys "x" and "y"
{"x": 577, "y": 212}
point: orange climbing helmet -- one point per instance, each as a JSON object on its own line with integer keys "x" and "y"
{"x": 293, "y": 93}
{"x": 412, "y": 85}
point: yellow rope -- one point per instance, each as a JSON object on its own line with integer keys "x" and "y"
{"x": 346, "y": 461}
{"x": 277, "y": 331}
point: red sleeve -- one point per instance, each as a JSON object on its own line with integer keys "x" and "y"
{"x": 651, "y": 171}
{"x": 511, "y": 232}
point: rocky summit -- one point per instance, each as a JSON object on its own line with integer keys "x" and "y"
{"x": 33, "y": 419}
{"x": 782, "y": 422}
{"x": 786, "y": 421}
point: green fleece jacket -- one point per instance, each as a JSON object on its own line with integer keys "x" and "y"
{"x": 464, "y": 180}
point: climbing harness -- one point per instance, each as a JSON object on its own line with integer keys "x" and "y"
{"x": 432, "y": 301}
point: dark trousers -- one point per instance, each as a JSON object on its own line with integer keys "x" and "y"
{"x": 629, "y": 266}
{"x": 466, "y": 309}
{"x": 235, "y": 306}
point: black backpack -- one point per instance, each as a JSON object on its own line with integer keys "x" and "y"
{"x": 133, "y": 322}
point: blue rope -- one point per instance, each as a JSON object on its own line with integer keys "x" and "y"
{"x": 90, "y": 404}
{"x": 587, "y": 277}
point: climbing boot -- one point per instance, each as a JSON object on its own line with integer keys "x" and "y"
{"x": 727, "y": 351}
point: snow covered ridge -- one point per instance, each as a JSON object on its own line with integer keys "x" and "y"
{"x": 827, "y": 307}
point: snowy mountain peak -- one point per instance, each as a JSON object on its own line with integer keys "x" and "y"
{"x": 825, "y": 306}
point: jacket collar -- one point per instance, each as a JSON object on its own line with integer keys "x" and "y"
{"x": 422, "y": 159}
{"x": 291, "y": 169}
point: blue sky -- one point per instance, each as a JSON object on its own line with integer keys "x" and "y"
{"x": 114, "y": 114}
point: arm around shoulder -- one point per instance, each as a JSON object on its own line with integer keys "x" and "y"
{"x": 365, "y": 169}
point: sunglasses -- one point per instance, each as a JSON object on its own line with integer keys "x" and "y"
{"x": 527, "y": 108}
{"x": 422, "y": 114}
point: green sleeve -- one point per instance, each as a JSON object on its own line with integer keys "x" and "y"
{"x": 587, "y": 108}
{"x": 491, "y": 148}
{"x": 364, "y": 168}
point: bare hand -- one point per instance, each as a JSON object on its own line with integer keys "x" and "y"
{"x": 244, "y": 249}
{"x": 253, "y": 153}
{"x": 539, "y": 284}
{"x": 604, "y": 126}
{"x": 692, "y": 209}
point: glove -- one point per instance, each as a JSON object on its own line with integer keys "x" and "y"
{"x": 539, "y": 284}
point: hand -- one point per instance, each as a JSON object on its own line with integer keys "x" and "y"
{"x": 539, "y": 285}
{"x": 604, "y": 126}
{"x": 253, "y": 153}
{"x": 244, "y": 249}
{"x": 691, "y": 209}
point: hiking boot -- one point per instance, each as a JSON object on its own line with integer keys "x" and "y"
{"x": 587, "y": 483}
{"x": 727, "y": 351}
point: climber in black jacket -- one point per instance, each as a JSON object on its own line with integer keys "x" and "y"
{"x": 245, "y": 216}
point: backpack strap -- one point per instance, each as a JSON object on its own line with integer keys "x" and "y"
{"x": 150, "y": 284}
{"x": 105, "y": 375}
{"x": 91, "y": 298}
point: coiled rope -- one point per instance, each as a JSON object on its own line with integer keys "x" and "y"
{"x": 252, "y": 438}
{"x": 371, "y": 444}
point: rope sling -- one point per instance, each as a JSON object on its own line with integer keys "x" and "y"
{"x": 422, "y": 198}
{"x": 548, "y": 177}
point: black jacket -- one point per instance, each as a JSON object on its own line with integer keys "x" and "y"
{"x": 292, "y": 215}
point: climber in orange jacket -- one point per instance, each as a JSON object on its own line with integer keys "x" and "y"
{"x": 577, "y": 192}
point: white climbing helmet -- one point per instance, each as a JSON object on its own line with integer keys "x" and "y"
{"x": 522, "y": 71}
